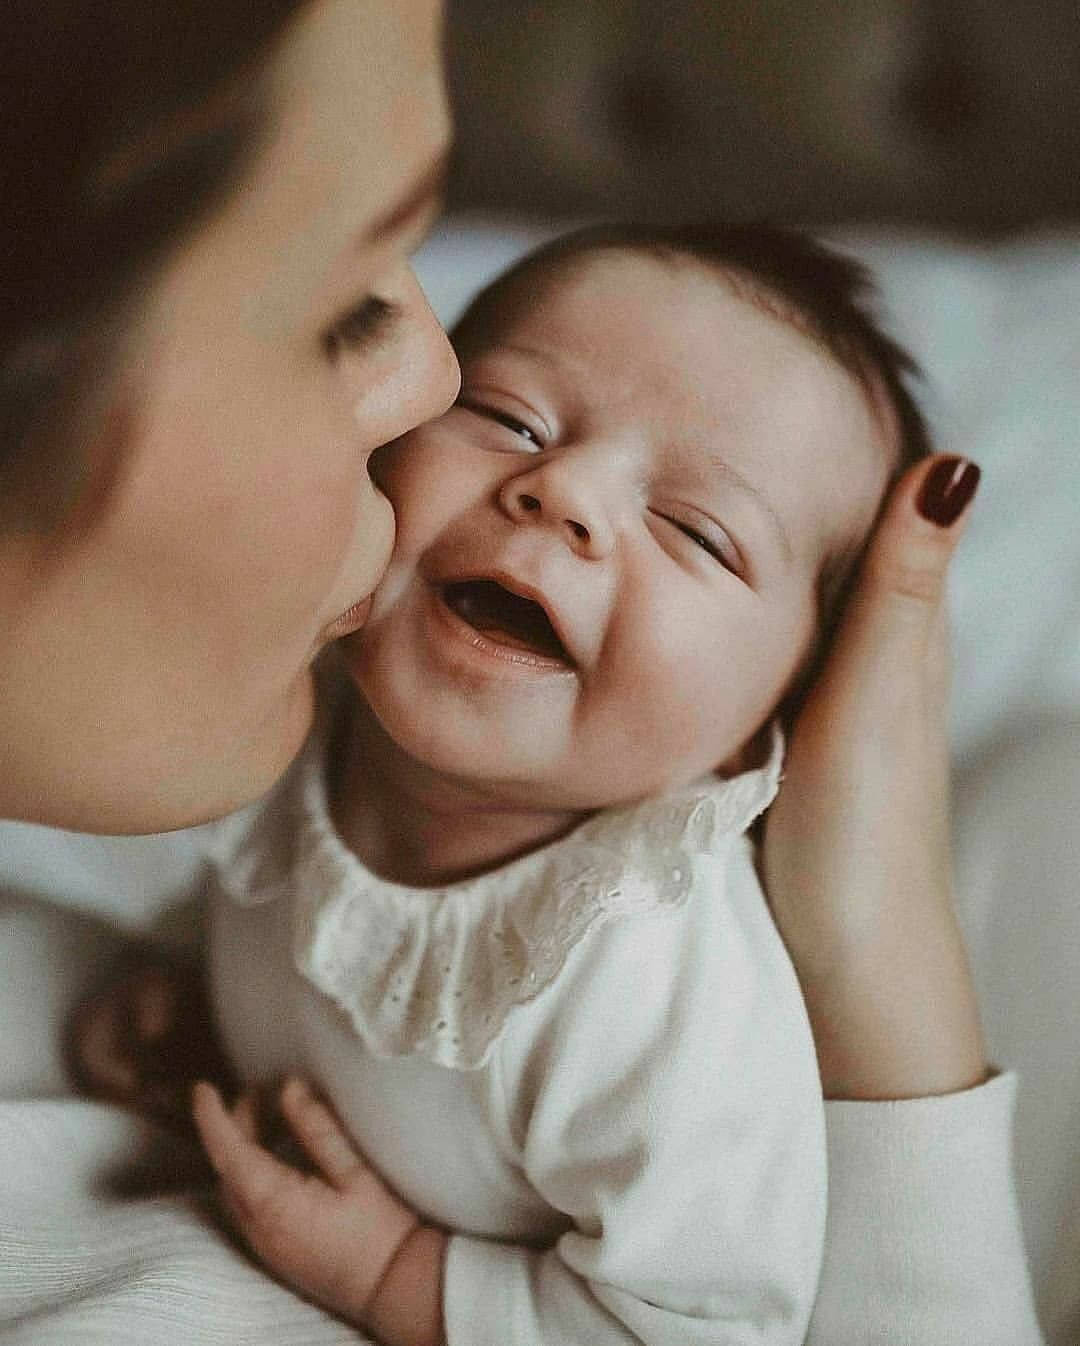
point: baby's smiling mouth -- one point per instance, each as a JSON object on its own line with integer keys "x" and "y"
{"x": 505, "y": 617}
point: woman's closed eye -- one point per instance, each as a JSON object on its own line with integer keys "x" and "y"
{"x": 359, "y": 326}
{"x": 530, "y": 434}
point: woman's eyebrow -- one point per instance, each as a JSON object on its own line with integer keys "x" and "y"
{"x": 422, "y": 197}
{"x": 736, "y": 479}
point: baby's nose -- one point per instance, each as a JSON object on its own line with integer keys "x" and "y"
{"x": 531, "y": 504}
{"x": 552, "y": 499}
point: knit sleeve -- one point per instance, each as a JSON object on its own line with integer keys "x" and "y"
{"x": 923, "y": 1242}
{"x": 664, "y": 1099}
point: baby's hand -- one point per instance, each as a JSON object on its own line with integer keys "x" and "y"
{"x": 333, "y": 1234}
{"x": 144, "y": 1040}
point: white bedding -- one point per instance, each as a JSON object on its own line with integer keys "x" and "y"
{"x": 999, "y": 331}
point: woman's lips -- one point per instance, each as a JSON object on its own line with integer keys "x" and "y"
{"x": 352, "y": 619}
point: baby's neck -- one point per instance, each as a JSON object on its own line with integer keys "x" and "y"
{"x": 415, "y": 826}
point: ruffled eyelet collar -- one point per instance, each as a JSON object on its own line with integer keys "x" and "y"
{"x": 436, "y": 972}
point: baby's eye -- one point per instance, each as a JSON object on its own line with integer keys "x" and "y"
{"x": 720, "y": 547}
{"x": 702, "y": 542}
{"x": 359, "y": 325}
{"x": 514, "y": 424}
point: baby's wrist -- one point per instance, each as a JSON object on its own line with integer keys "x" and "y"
{"x": 406, "y": 1306}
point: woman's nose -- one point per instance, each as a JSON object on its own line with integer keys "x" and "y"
{"x": 425, "y": 378}
{"x": 564, "y": 495}
{"x": 436, "y": 375}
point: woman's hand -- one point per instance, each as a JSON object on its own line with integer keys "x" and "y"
{"x": 339, "y": 1235}
{"x": 145, "y": 1039}
{"x": 856, "y": 858}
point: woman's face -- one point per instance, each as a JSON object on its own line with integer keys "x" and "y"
{"x": 158, "y": 644}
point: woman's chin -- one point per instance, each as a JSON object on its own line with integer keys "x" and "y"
{"x": 251, "y": 774}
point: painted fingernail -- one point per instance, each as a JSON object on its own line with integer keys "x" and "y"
{"x": 948, "y": 488}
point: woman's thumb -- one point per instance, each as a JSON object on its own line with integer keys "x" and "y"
{"x": 908, "y": 559}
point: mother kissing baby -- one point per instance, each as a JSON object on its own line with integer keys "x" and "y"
{"x": 189, "y": 420}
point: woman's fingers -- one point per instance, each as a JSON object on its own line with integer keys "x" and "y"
{"x": 856, "y": 854}
{"x": 895, "y": 623}
{"x": 321, "y": 1135}
{"x": 919, "y": 531}
{"x": 873, "y": 727}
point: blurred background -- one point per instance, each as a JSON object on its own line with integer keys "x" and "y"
{"x": 960, "y": 114}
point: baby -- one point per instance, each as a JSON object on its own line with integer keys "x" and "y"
{"x": 503, "y": 910}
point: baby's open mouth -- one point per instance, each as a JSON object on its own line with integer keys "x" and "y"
{"x": 505, "y": 617}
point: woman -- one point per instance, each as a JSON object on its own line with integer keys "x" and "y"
{"x": 212, "y": 325}
{"x": 187, "y": 509}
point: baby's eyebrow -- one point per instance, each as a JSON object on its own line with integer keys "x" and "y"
{"x": 534, "y": 354}
{"x": 736, "y": 478}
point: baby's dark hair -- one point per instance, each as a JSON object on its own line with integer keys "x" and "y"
{"x": 827, "y": 295}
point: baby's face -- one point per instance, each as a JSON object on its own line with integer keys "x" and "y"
{"x": 607, "y": 553}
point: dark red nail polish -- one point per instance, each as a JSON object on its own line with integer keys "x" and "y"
{"x": 948, "y": 487}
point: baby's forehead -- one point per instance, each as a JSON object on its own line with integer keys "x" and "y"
{"x": 505, "y": 299}
{"x": 512, "y": 300}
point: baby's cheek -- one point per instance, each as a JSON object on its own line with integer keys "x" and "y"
{"x": 683, "y": 721}
{"x": 797, "y": 643}
{"x": 390, "y": 463}
{"x": 428, "y": 479}
{"x": 720, "y": 695}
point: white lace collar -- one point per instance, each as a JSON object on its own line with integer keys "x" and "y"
{"x": 436, "y": 972}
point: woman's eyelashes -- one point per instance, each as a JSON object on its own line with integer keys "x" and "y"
{"x": 359, "y": 326}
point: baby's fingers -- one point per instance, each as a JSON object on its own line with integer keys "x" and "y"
{"x": 245, "y": 1114}
{"x": 321, "y": 1135}
{"x": 251, "y": 1177}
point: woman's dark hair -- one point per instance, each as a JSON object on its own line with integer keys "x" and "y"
{"x": 824, "y": 293}
{"x": 121, "y": 125}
